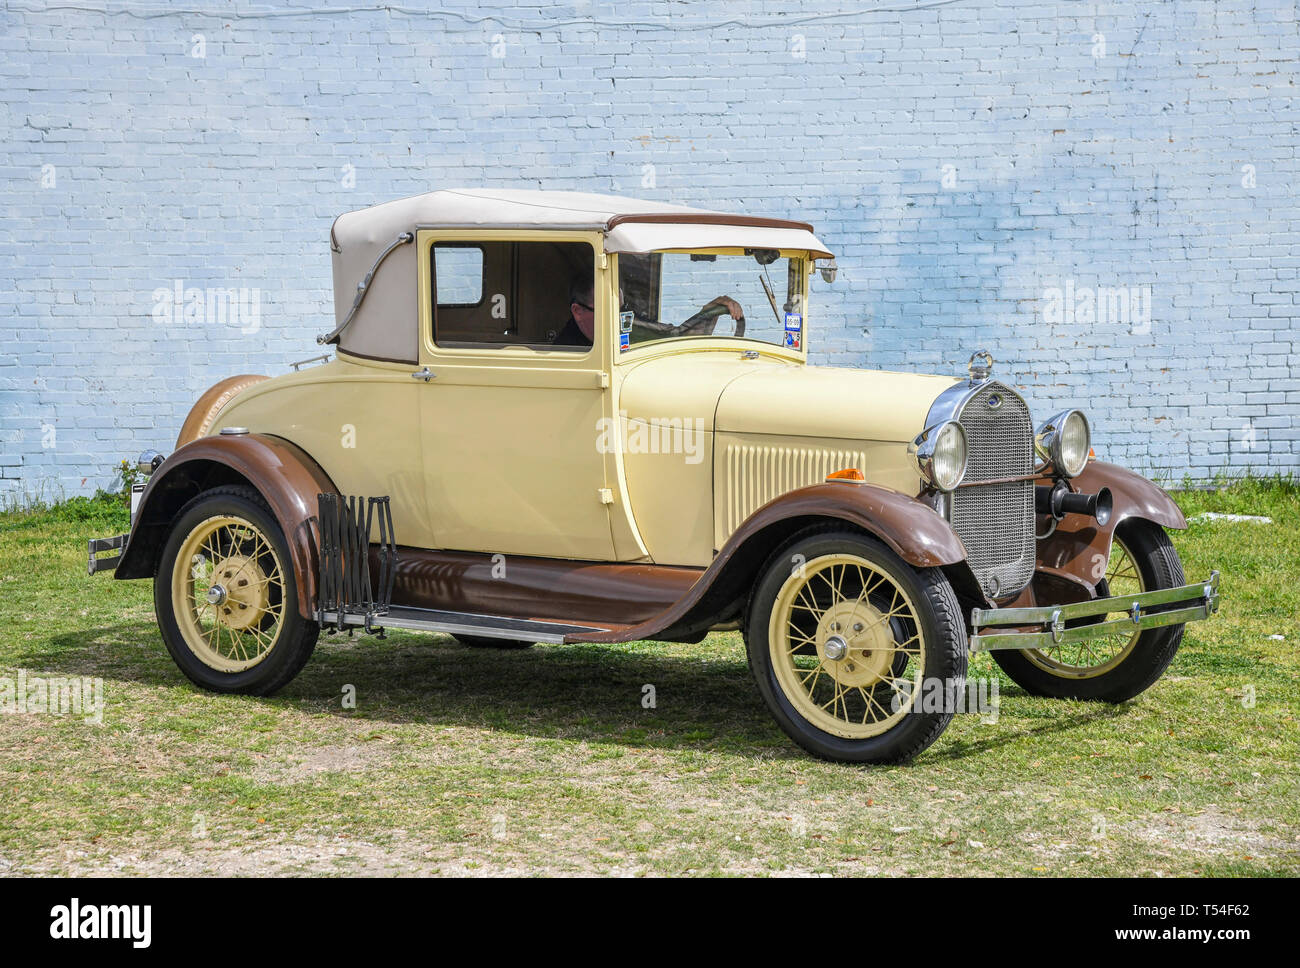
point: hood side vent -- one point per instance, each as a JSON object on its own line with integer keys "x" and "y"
{"x": 756, "y": 474}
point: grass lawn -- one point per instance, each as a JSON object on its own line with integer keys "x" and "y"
{"x": 460, "y": 761}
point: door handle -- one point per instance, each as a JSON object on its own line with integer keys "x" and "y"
{"x": 424, "y": 374}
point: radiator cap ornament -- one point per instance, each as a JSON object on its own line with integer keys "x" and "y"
{"x": 980, "y": 371}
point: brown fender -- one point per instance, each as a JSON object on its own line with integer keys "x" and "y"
{"x": 910, "y": 528}
{"x": 1077, "y": 552}
{"x": 280, "y": 471}
{"x": 205, "y": 410}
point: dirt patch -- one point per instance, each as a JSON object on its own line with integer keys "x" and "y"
{"x": 1211, "y": 832}
{"x": 321, "y": 761}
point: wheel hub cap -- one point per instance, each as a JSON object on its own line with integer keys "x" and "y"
{"x": 241, "y": 588}
{"x": 857, "y": 643}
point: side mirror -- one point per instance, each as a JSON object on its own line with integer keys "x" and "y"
{"x": 828, "y": 271}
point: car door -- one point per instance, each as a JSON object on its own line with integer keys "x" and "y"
{"x": 510, "y": 422}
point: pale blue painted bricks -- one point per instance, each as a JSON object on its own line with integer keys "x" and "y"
{"x": 1101, "y": 194}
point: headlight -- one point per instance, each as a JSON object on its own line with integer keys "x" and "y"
{"x": 939, "y": 453}
{"x": 1064, "y": 441}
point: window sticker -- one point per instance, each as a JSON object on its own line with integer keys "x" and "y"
{"x": 793, "y": 322}
{"x": 624, "y": 340}
{"x": 792, "y": 340}
{"x": 625, "y": 321}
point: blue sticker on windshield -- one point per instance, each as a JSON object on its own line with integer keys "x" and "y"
{"x": 793, "y": 322}
{"x": 624, "y": 341}
{"x": 792, "y": 340}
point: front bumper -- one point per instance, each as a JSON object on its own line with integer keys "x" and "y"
{"x": 1044, "y": 626}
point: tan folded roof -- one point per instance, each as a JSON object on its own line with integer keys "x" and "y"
{"x": 382, "y": 327}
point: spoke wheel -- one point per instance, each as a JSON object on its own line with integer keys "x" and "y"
{"x": 228, "y": 593}
{"x": 1095, "y": 657}
{"x": 845, "y": 640}
{"x": 839, "y": 633}
{"x": 1120, "y": 665}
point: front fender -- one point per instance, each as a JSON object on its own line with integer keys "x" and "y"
{"x": 911, "y": 529}
{"x": 1078, "y": 550}
{"x": 283, "y": 473}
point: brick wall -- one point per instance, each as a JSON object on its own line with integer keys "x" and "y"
{"x": 990, "y": 172}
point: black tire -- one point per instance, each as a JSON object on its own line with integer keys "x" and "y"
{"x": 1156, "y": 559}
{"x": 940, "y": 622}
{"x": 486, "y": 642}
{"x": 296, "y": 636}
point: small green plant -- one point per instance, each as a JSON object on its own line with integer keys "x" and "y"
{"x": 130, "y": 473}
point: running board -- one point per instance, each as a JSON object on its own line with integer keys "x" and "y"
{"x": 460, "y": 623}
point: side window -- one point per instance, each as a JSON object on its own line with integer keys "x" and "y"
{"x": 495, "y": 294}
{"x": 459, "y": 279}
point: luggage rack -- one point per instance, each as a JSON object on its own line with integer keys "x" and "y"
{"x": 346, "y": 598}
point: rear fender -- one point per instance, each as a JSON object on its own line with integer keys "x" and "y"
{"x": 283, "y": 473}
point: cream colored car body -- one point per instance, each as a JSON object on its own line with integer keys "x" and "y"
{"x": 500, "y": 451}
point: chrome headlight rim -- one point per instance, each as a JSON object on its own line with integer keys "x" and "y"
{"x": 1048, "y": 442}
{"x": 922, "y": 451}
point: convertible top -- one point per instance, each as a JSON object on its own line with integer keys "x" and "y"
{"x": 381, "y": 327}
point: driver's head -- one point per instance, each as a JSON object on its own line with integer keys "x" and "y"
{"x": 582, "y": 304}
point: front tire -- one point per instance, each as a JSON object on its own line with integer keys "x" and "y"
{"x": 227, "y": 599}
{"x": 1116, "y": 667}
{"x": 849, "y": 645}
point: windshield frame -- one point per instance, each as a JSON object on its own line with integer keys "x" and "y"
{"x": 714, "y": 342}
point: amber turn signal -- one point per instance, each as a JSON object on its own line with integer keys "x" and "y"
{"x": 848, "y": 474}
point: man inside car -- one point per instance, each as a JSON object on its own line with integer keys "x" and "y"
{"x": 581, "y": 324}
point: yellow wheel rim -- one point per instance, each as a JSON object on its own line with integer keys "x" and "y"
{"x": 228, "y": 593}
{"x": 846, "y": 646}
{"x": 1093, "y": 657}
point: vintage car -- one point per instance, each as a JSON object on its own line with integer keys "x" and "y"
{"x": 562, "y": 417}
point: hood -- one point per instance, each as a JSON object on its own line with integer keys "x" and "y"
{"x": 767, "y": 396}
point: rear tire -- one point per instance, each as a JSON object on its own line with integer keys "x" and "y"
{"x": 226, "y": 596}
{"x": 1112, "y": 671}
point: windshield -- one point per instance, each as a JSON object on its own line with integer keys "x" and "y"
{"x": 757, "y": 295}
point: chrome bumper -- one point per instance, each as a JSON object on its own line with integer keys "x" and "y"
{"x": 96, "y": 545}
{"x": 1187, "y": 603}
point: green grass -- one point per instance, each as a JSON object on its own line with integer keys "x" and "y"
{"x": 463, "y": 761}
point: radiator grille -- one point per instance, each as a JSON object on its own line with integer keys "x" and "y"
{"x": 757, "y": 474}
{"x": 996, "y": 521}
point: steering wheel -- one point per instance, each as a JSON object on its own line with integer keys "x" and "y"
{"x": 704, "y": 322}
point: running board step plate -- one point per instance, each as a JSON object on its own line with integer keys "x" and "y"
{"x": 462, "y": 623}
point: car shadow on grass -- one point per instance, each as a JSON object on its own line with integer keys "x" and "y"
{"x": 648, "y": 696}
{"x": 573, "y": 692}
